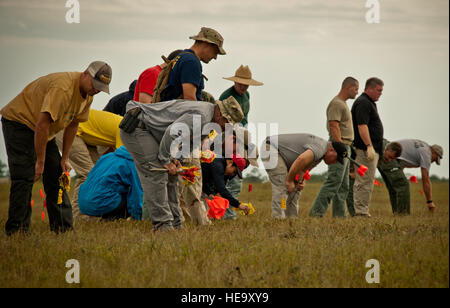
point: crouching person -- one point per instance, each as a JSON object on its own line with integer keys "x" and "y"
{"x": 289, "y": 155}
{"x": 149, "y": 140}
{"x": 112, "y": 189}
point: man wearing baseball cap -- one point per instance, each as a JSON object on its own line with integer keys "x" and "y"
{"x": 153, "y": 145}
{"x": 290, "y": 155}
{"x": 414, "y": 154}
{"x": 51, "y": 103}
{"x": 186, "y": 78}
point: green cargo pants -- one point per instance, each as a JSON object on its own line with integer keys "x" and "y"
{"x": 397, "y": 185}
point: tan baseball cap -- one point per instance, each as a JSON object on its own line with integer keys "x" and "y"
{"x": 439, "y": 151}
{"x": 231, "y": 110}
{"x": 210, "y": 36}
{"x": 243, "y": 75}
{"x": 101, "y": 73}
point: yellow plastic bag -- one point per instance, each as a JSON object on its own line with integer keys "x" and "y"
{"x": 251, "y": 212}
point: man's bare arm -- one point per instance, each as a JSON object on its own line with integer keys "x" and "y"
{"x": 335, "y": 131}
{"x": 189, "y": 91}
{"x": 145, "y": 98}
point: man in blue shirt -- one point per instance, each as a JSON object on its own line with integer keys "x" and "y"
{"x": 186, "y": 79}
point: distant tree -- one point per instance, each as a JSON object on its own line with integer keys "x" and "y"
{"x": 3, "y": 169}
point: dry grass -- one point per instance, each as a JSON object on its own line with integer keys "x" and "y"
{"x": 254, "y": 251}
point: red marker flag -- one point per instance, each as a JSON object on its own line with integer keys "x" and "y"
{"x": 45, "y": 204}
{"x": 306, "y": 176}
{"x": 297, "y": 177}
{"x": 250, "y": 187}
{"x": 42, "y": 193}
{"x": 43, "y": 216}
{"x": 377, "y": 183}
{"x": 362, "y": 170}
{"x": 413, "y": 179}
{"x": 32, "y": 203}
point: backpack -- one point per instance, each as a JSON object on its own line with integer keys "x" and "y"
{"x": 163, "y": 78}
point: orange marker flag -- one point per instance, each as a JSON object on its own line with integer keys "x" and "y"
{"x": 32, "y": 203}
{"x": 420, "y": 191}
{"x": 42, "y": 193}
{"x": 413, "y": 179}
{"x": 306, "y": 176}
{"x": 283, "y": 203}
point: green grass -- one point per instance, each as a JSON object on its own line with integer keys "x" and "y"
{"x": 254, "y": 251}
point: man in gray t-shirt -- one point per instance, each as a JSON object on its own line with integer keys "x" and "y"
{"x": 153, "y": 144}
{"x": 417, "y": 153}
{"x": 290, "y": 155}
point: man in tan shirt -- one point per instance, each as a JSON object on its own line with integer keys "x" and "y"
{"x": 340, "y": 129}
{"x": 51, "y": 103}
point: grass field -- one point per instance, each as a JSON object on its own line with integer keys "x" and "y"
{"x": 254, "y": 251}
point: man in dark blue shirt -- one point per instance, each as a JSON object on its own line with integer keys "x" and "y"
{"x": 118, "y": 103}
{"x": 217, "y": 173}
{"x": 186, "y": 79}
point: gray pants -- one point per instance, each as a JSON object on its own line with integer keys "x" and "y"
{"x": 277, "y": 177}
{"x": 362, "y": 190}
{"x": 160, "y": 188}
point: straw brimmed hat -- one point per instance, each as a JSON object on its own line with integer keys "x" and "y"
{"x": 243, "y": 75}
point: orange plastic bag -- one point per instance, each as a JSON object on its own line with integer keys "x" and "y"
{"x": 217, "y": 207}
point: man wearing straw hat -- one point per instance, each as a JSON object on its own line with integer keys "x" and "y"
{"x": 242, "y": 80}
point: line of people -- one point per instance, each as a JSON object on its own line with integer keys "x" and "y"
{"x": 137, "y": 174}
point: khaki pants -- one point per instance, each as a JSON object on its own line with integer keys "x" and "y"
{"x": 191, "y": 195}
{"x": 362, "y": 190}
{"x": 82, "y": 158}
{"x": 277, "y": 177}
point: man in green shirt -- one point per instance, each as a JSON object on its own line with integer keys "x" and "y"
{"x": 242, "y": 80}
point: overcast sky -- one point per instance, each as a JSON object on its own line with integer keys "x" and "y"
{"x": 300, "y": 49}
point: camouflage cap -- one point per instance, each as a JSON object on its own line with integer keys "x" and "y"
{"x": 210, "y": 36}
{"x": 207, "y": 97}
{"x": 231, "y": 110}
{"x": 439, "y": 152}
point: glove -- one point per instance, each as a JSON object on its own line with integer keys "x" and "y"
{"x": 370, "y": 153}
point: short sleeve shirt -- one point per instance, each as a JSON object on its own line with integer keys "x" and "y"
{"x": 291, "y": 146}
{"x": 102, "y": 129}
{"x": 187, "y": 69}
{"x": 338, "y": 111}
{"x": 365, "y": 112}
{"x": 415, "y": 153}
{"x": 58, "y": 94}
{"x": 147, "y": 81}
{"x": 243, "y": 100}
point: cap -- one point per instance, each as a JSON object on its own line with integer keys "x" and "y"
{"x": 210, "y": 36}
{"x": 101, "y": 73}
{"x": 240, "y": 164}
{"x": 231, "y": 110}
{"x": 341, "y": 150}
{"x": 439, "y": 151}
{"x": 207, "y": 97}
